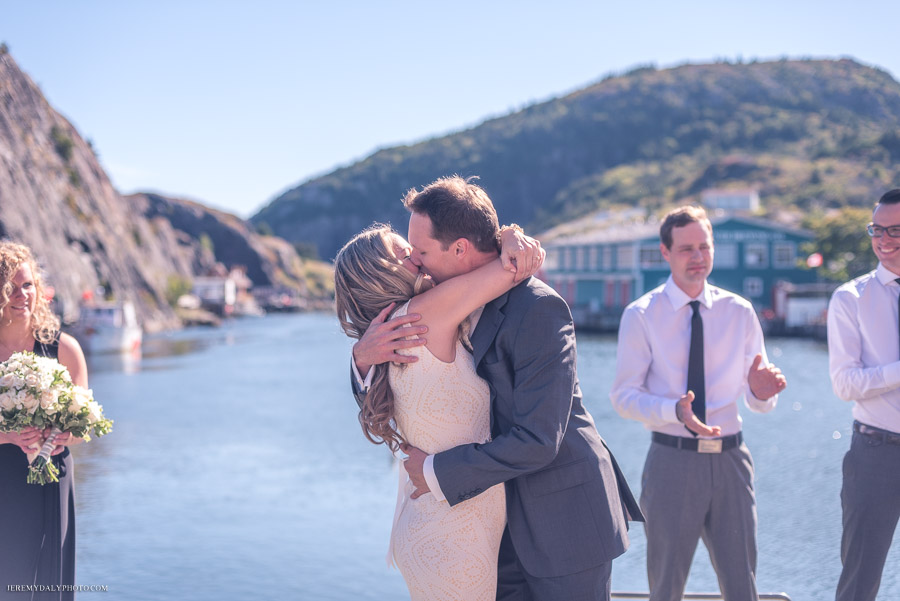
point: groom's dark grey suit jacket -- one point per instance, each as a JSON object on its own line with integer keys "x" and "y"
{"x": 567, "y": 502}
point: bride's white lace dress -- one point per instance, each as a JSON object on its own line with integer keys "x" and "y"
{"x": 445, "y": 552}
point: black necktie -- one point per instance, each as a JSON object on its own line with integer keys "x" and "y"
{"x": 696, "y": 380}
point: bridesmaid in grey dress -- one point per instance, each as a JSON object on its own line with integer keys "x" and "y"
{"x": 37, "y": 523}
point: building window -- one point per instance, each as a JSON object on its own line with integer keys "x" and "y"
{"x": 753, "y": 287}
{"x": 572, "y": 261}
{"x": 626, "y": 293}
{"x": 756, "y": 256}
{"x": 651, "y": 258}
{"x": 594, "y": 258}
{"x": 607, "y": 264}
{"x": 726, "y": 256}
{"x": 552, "y": 262}
{"x": 579, "y": 253}
{"x": 625, "y": 256}
{"x": 560, "y": 253}
{"x": 566, "y": 289}
{"x": 784, "y": 255}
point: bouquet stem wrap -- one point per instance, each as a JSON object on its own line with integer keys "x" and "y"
{"x": 42, "y": 470}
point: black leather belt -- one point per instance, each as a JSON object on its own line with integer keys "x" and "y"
{"x": 885, "y": 436}
{"x": 701, "y": 445}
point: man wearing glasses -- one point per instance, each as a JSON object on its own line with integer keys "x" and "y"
{"x": 864, "y": 362}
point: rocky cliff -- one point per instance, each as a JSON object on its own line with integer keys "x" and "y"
{"x": 56, "y": 198}
{"x": 227, "y": 239}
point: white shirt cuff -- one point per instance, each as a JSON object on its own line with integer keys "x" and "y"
{"x": 759, "y": 405}
{"x": 891, "y": 374}
{"x": 431, "y": 479}
{"x": 363, "y": 385}
{"x": 668, "y": 413}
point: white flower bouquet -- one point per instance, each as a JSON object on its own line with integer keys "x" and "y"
{"x": 38, "y": 391}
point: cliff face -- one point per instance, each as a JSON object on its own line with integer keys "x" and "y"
{"x": 224, "y": 238}
{"x": 56, "y": 199}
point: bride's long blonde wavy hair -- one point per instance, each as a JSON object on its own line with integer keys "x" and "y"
{"x": 44, "y": 324}
{"x": 368, "y": 278}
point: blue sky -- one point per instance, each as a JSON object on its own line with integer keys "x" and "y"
{"x": 230, "y": 103}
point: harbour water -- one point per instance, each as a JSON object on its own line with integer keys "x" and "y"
{"x": 237, "y": 470}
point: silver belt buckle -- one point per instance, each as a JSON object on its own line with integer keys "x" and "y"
{"x": 709, "y": 446}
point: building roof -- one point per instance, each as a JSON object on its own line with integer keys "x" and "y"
{"x": 729, "y": 192}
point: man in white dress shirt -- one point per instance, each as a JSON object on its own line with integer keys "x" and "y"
{"x": 864, "y": 361}
{"x": 698, "y": 476}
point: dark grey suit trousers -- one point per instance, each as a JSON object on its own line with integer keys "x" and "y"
{"x": 870, "y": 499}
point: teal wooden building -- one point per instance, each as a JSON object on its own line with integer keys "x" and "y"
{"x": 601, "y": 265}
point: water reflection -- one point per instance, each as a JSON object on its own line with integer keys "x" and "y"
{"x": 174, "y": 344}
{"x": 157, "y": 348}
{"x": 128, "y": 363}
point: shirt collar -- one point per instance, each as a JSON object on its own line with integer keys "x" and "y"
{"x": 679, "y": 297}
{"x": 884, "y": 275}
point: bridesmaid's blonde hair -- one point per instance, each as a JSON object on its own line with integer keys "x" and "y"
{"x": 368, "y": 278}
{"x": 44, "y": 324}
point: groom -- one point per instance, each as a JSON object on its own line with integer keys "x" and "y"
{"x": 567, "y": 502}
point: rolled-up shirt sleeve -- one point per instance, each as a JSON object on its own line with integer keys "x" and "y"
{"x": 851, "y": 379}
{"x": 629, "y": 395}
{"x": 756, "y": 346}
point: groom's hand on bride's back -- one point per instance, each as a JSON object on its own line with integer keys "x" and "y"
{"x": 380, "y": 342}
{"x": 414, "y": 466}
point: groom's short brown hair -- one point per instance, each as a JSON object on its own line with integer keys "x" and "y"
{"x": 457, "y": 208}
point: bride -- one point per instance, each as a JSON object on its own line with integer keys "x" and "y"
{"x": 435, "y": 404}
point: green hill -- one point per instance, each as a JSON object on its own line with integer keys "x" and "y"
{"x": 806, "y": 133}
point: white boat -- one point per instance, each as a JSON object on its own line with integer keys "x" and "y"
{"x": 108, "y": 327}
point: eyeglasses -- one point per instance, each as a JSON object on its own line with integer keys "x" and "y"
{"x": 876, "y": 231}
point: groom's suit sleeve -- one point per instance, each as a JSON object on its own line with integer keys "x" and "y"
{"x": 532, "y": 374}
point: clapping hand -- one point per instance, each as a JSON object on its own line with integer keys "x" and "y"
{"x": 765, "y": 382}
{"x": 685, "y": 414}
